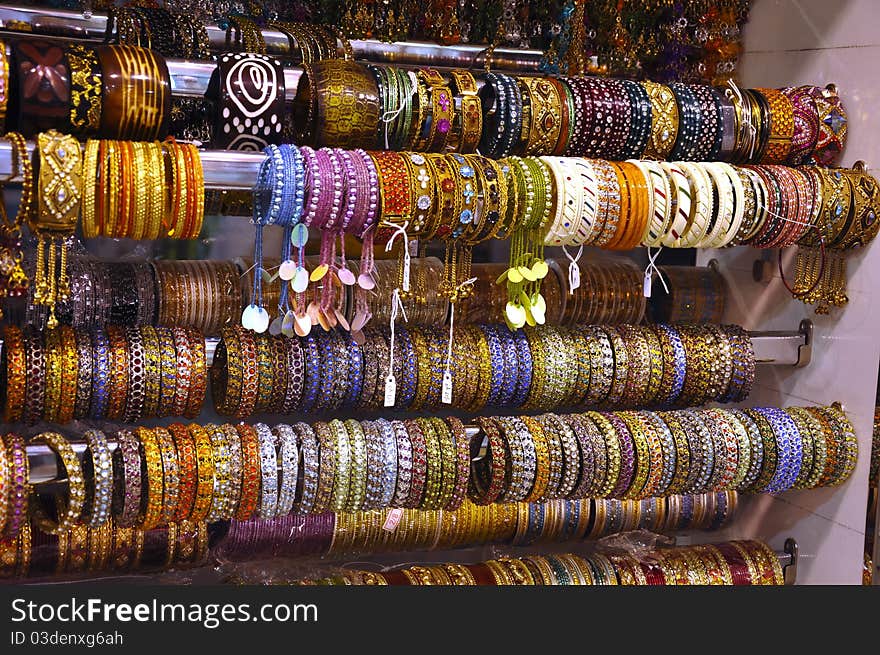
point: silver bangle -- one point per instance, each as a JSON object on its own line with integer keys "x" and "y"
{"x": 102, "y": 474}
{"x": 308, "y": 448}
{"x": 389, "y": 472}
{"x": 289, "y": 454}
{"x": 404, "y": 464}
{"x": 268, "y": 472}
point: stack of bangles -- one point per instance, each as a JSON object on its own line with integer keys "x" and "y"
{"x": 515, "y": 524}
{"x": 728, "y": 563}
{"x": 214, "y": 472}
{"x": 116, "y": 374}
{"x": 394, "y": 109}
{"x": 87, "y": 551}
{"x": 535, "y": 368}
{"x": 125, "y": 191}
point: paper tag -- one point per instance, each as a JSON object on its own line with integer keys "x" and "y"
{"x": 447, "y": 388}
{"x": 390, "y": 391}
{"x": 574, "y": 277}
{"x": 406, "y": 273}
{"x": 413, "y": 247}
{"x": 392, "y": 520}
{"x": 646, "y": 287}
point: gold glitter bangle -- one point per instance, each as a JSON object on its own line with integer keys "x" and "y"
{"x": 448, "y": 461}
{"x": 53, "y": 375}
{"x": 542, "y": 459}
{"x": 155, "y": 482}
{"x": 664, "y": 121}
{"x": 222, "y": 473}
{"x": 434, "y": 475}
{"x": 69, "y": 373}
{"x": 357, "y": 440}
{"x": 69, "y": 510}
{"x": 152, "y": 371}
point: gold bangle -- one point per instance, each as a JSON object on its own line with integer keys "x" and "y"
{"x": 52, "y": 402}
{"x": 69, "y": 510}
{"x": 155, "y": 482}
{"x": 69, "y": 374}
{"x": 664, "y": 121}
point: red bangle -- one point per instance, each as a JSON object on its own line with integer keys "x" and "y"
{"x": 419, "y": 464}
{"x": 463, "y": 462}
{"x": 250, "y": 473}
{"x": 187, "y": 470}
{"x": 486, "y": 492}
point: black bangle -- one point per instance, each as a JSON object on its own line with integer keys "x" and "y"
{"x": 763, "y": 126}
{"x": 42, "y": 98}
{"x": 495, "y": 118}
{"x": 161, "y": 26}
{"x": 688, "y": 140}
{"x": 640, "y": 120}
{"x": 710, "y": 122}
{"x": 249, "y": 89}
{"x": 192, "y": 119}
{"x": 124, "y": 294}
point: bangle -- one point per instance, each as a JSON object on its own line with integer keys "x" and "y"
{"x": 277, "y": 498}
{"x": 308, "y": 450}
{"x": 85, "y": 90}
{"x": 222, "y": 469}
{"x": 43, "y": 87}
{"x": 19, "y": 470}
{"x": 98, "y": 467}
{"x": 781, "y": 118}
{"x": 15, "y": 370}
{"x": 136, "y": 93}
{"x": 327, "y": 470}
{"x": 357, "y": 440}
{"x": 69, "y": 509}
{"x": 250, "y": 472}
{"x": 405, "y": 464}
{"x": 250, "y": 93}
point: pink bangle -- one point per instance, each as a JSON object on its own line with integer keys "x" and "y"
{"x": 331, "y": 193}
{"x": 372, "y": 200}
{"x": 17, "y": 493}
{"x": 351, "y": 188}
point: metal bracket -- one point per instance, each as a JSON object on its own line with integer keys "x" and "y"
{"x": 789, "y": 568}
{"x": 782, "y": 347}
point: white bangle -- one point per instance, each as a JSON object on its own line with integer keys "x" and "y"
{"x": 680, "y": 204}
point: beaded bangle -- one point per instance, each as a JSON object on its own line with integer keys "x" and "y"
{"x": 288, "y": 456}
{"x": 152, "y": 458}
{"x": 590, "y": 462}
{"x": 250, "y": 473}
{"x": 308, "y": 449}
{"x": 770, "y": 454}
{"x": 97, "y": 467}
{"x": 404, "y": 464}
{"x": 418, "y": 478}
{"x": 687, "y": 142}
{"x": 187, "y": 471}
{"x": 15, "y": 374}
{"x": 268, "y": 472}
{"x": 357, "y": 439}
{"x": 327, "y": 470}
{"x": 385, "y": 439}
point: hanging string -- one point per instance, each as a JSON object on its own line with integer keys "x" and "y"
{"x": 574, "y": 271}
{"x": 650, "y": 270}
{"x": 390, "y": 381}
{"x": 391, "y": 115}
{"x": 400, "y": 230}
{"x": 447, "y": 371}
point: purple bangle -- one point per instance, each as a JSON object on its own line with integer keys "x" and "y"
{"x": 330, "y": 206}
{"x": 806, "y": 124}
{"x": 313, "y": 186}
{"x": 583, "y": 429}
{"x": 524, "y": 365}
{"x": 127, "y": 479}
{"x": 372, "y": 199}
{"x": 680, "y": 364}
{"x": 18, "y": 491}
{"x": 627, "y": 455}
{"x": 580, "y": 123}
{"x": 404, "y": 464}
{"x": 351, "y": 188}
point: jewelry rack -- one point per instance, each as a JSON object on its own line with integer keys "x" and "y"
{"x": 93, "y": 26}
{"x": 778, "y": 348}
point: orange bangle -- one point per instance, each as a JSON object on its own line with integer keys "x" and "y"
{"x": 625, "y": 217}
{"x": 155, "y": 482}
{"x": 15, "y": 373}
{"x": 187, "y": 467}
{"x": 199, "y": 379}
{"x": 118, "y": 372}
{"x": 205, "y": 468}
{"x": 69, "y": 374}
{"x": 639, "y": 218}
{"x": 250, "y": 378}
{"x": 250, "y": 473}
{"x": 125, "y": 221}
{"x": 170, "y": 474}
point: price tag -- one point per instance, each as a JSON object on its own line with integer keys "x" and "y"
{"x": 447, "y": 388}
{"x": 406, "y": 274}
{"x": 646, "y": 287}
{"x": 390, "y": 391}
{"x": 574, "y": 277}
{"x": 392, "y": 520}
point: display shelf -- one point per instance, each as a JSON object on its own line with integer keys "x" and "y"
{"x": 783, "y": 46}
{"x": 74, "y": 24}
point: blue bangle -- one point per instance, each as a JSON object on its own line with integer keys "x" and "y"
{"x": 312, "y": 373}
{"x": 509, "y": 366}
{"x": 328, "y": 372}
{"x": 688, "y": 142}
{"x": 639, "y": 120}
{"x": 269, "y": 188}
{"x": 355, "y": 374}
{"x": 789, "y": 449}
{"x": 687, "y": 512}
{"x": 524, "y": 367}
{"x": 100, "y": 373}
{"x": 496, "y": 361}
{"x": 389, "y": 457}
{"x": 409, "y": 366}
{"x": 680, "y": 364}
{"x": 669, "y": 452}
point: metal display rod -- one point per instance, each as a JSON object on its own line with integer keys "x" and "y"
{"x": 74, "y": 24}
{"x": 777, "y": 348}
